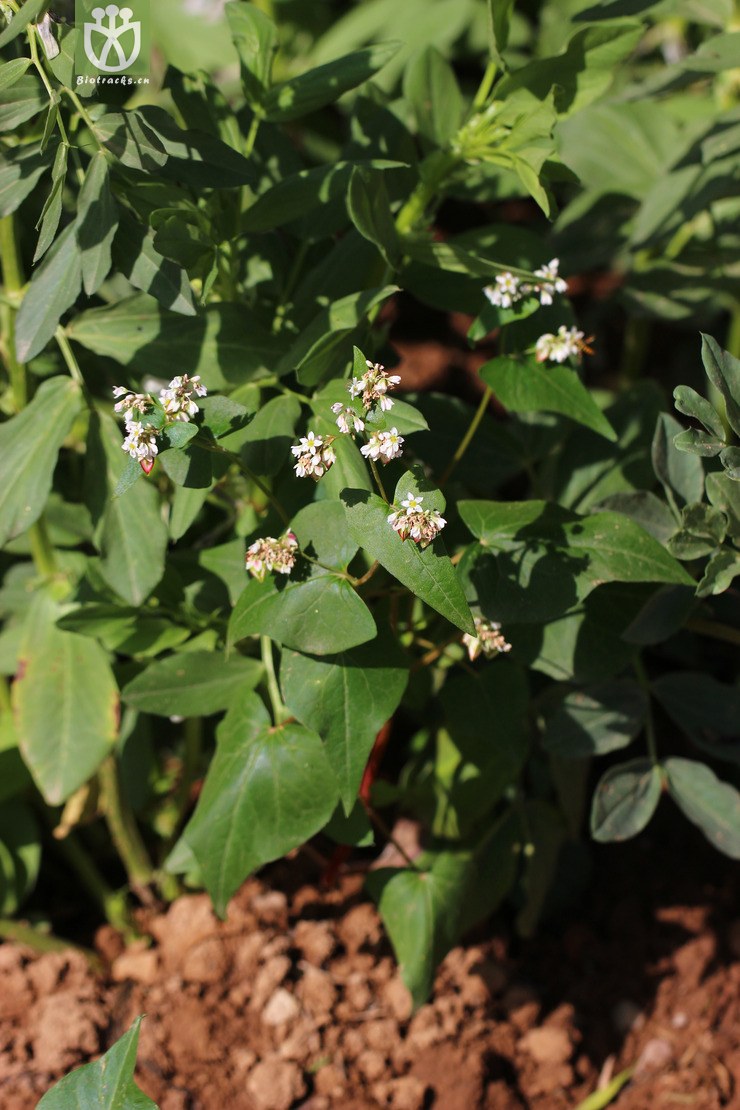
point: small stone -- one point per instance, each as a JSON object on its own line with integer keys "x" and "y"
{"x": 140, "y": 966}
{"x": 371, "y": 1064}
{"x": 547, "y": 1046}
{"x": 267, "y": 979}
{"x": 397, "y": 998}
{"x": 655, "y": 1056}
{"x": 317, "y": 992}
{"x": 330, "y": 1081}
{"x": 357, "y": 993}
{"x": 275, "y": 1084}
{"x": 281, "y": 1008}
{"x": 680, "y": 1020}
{"x": 271, "y": 907}
{"x": 316, "y": 941}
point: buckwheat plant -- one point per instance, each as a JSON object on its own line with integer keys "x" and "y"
{"x": 270, "y": 594}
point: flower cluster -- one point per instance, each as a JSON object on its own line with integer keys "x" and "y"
{"x": 141, "y": 435}
{"x": 346, "y": 416}
{"x": 507, "y": 289}
{"x": 384, "y": 446}
{"x": 557, "y": 348}
{"x": 372, "y": 388}
{"x": 269, "y": 555}
{"x": 177, "y": 399}
{"x": 488, "y": 640}
{"x": 314, "y": 455}
{"x": 422, "y": 525}
{"x": 140, "y": 441}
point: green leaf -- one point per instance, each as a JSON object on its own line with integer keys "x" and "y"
{"x": 20, "y": 171}
{"x": 625, "y": 800}
{"x": 596, "y": 720}
{"x": 148, "y": 139}
{"x": 704, "y": 708}
{"x": 54, "y": 286}
{"x": 550, "y": 558}
{"x": 300, "y": 193}
{"x": 582, "y": 73}
{"x": 29, "y": 445}
{"x": 268, "y": 438}
{"x": 191, "y": 684}
{"x": 29, "y": 13}
{"x": 307, "y": 355}
{"x": 325, "y": 84}
{"x": 138, "y": 259}
{"x": 712, "y": 805}
{"x": 23, "y": 100}
{"x": 723, "y": 371}
{"x": 430, "y": 86}
{"x": 719, "y": 573}
{"x": 691, "y": 403}
{"x": 370, "y": 212}
{"x": 227, "y": 563}
{"x": 428, "y": 573}
{"x": 20, "y": 855}
{"x": 12, "y": 71}
{"x": 346, "y": 699}
{"x": 422, "y": 912}
{"x": 268, "y": 790}
{"x": 730, "y": 459}
{"x": 97, "y": 223}
{"x": 697, "y": 442}
{"x": 315, "y": 610}
{"x": 531, "y": 387}
{"x": 500, "y": 13}
{"x": 14, "y": 776}
{"x": 702, "y": 530}
{"x": 125, "y": 630}
{"x": 487, "y": 720}
{"x": 681, "y": 475}
{"x": 107, "y": 1084}
{"x": 223, "y": 343}
{"x": 65, "y": 701}
{"x": 255, "y": 38}
{"x": 51, "y": 213}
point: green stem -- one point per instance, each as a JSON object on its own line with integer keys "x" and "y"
{"x": 82, "y": 112}
{"x": 484, "y": 88}
{"x": 13, "y": 282}
{"x": 468, "y": 437}
{"x": 42, "y": 549}
{"x": 434, "y": 169}
{"x": 378, "y": 480}
{"x": 122, "y": 826}
{"x": 279, "y": 711}
{"x": 69, "y": 356}
{"x": 19, "y": 932}
{"x": 252, "y": 135}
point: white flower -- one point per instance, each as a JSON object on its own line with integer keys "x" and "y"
{"x": 384, "y": 446}
{"x": 313, "y": 464}
{"x": 421, "y": 525}
{"x": 346, "y": 416}
{"x": 412, "y": 503}
{"x": 141, "y": 444}
{"x": 271, "y": 555}
{"x": 308, "y": 445}
{"x": 177, "y": 399}
{"x": 569, "y": 342}
{"x": 488, "y": 640}
{"x": 132, "y": 405}
{"x": 373, "y": 387}
{"x": 550, "y": 283}
{"x": 505, "y": 291}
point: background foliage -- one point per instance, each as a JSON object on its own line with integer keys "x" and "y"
{"x": 292, "y": 171}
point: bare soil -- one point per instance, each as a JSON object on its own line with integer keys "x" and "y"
{"x": 295, "y": 1000}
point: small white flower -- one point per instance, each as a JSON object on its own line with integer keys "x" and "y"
{"x": 373, "y": 387}
{"x": 346, "y": 416}
{"x": 392, "y": 445}
{"x": 505, "y": 291}
{"x": 141, "y": 444}
{"x": 313, "y": 464}
{"x": 488, "y": 640}
{"x": 177, "y": 399}
{"x": 568, "y": 343}
{"x": 270, "y": 554}
{"x": 412, "y": 503}
{"x": 308, "y": 445}
{"x": 550, "y": 284}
